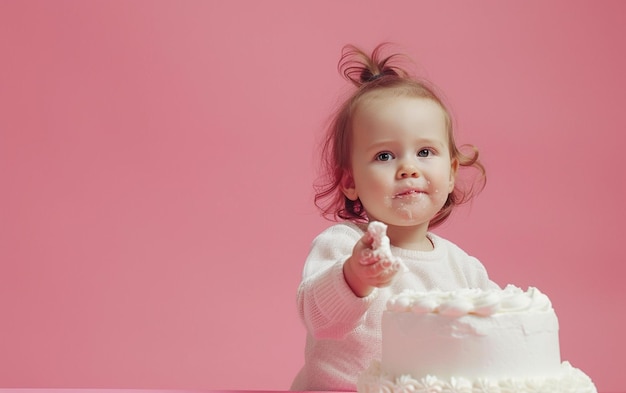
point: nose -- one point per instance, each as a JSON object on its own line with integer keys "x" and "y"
{"x": 407, "y": 170}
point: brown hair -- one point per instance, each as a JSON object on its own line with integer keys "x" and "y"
{"x": 375, "y": 73}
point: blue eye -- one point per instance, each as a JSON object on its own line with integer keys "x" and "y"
{"x": 424, "y": 153}
{"x": 384, "y": 156}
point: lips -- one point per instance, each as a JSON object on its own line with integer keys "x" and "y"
{"x": 409, "y": 193}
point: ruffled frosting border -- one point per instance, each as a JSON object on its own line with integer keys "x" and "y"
{"x": 569, "y": 380}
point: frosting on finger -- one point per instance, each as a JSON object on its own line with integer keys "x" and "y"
{"x": 382, "y": 247}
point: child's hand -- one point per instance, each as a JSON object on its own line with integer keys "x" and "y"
{"x": 364, "y": 270}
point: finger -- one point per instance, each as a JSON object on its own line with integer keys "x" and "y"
{"x": 375, "y": 269}
{"x": 388, "y": 273}
{"x": 367, "y": 257}
{"x": 367, "y": 239}
{"x": 386, "y": 278}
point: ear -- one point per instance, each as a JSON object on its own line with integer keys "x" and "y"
{"x": 454, "y": 168}
{"x": 348, "y": 187}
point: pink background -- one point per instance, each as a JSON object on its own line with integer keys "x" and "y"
{"x": 156, "y": 161}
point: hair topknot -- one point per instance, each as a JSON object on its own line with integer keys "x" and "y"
{"x": 360, "y": 68}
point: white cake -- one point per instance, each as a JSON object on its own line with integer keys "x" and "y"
{"x": 472, "y": 341}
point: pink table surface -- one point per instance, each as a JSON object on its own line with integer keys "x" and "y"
{"x": 80, "y": 390}
{"x": 87, "y": 390}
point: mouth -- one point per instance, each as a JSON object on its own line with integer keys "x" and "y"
{"x": 409, "y": 193}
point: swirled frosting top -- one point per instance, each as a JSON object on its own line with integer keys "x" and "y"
{"x": 470, "y": 301}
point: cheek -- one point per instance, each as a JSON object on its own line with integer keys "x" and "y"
{"x": 451, "y": 184}
{"x": 452, "y": 181}
{"x": 440, "y": 196}
{"x": 443, "y": 186}
{"x": 371, "y": 176}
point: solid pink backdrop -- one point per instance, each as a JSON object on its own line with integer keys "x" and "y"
{"x": 156, "y": 161}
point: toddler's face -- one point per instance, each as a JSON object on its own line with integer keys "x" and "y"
{"x": 401, "y": 166}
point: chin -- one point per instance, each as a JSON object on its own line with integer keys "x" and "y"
{"x": 405, "y": 222}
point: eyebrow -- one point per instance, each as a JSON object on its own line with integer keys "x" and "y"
{"x": 421, "y": 141}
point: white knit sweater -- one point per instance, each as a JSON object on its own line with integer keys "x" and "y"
{"x": 343, "y": 330}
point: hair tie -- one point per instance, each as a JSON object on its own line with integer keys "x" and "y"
{"x": 374, "y": 77}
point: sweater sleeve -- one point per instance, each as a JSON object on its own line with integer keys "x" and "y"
{"x": 326, "y": 304}
{"x": 477, "y": 275}
{"x": 471, "y": 272}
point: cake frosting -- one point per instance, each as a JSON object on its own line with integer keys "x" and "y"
{"x": 472, "y": 341}
{"x": 381, "y": 246}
